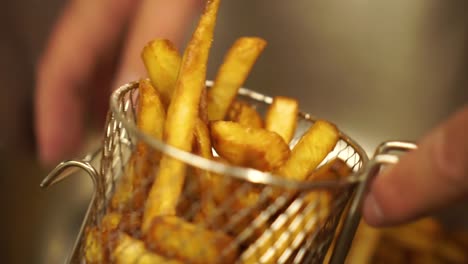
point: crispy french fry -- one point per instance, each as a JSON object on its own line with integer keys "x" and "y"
{"x": 232, "y": 74}
{"x": 214, "y": 189}
{"x": 194, "y": 187}
{"x": 281, "y": 117}
{"x": 131, "y": 191}
{"x": 162, "y": 63}
{"x": 203, "y": 107}
{"x": 333, "y": 170}
{"x": 202, "y": 142}
{"x": 310, "y": 151}
{"x": 96, "y": 241}
{"x": 244, "y": 114}
{"x": 364, "y": 245}
{"x": 411, "y": 238}
{"x": 132, "y": 250}
{"x": 181, "y": 118}
{"x": 188, "y": 242}
{"x": 304, "y": 215}
{"x": 94, "y": 246}
{"x": 250, "y": 147}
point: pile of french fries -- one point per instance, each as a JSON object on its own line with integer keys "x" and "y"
{"x": 422, "y": 241}
{"x": 146, "y": 220}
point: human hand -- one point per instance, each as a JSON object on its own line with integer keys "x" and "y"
{"x": 425, "y": 180}
{"x": 85, "y": 57}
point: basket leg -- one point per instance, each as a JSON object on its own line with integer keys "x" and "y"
{"x": 62, "y": 171}
{"x": 381, "y": 157}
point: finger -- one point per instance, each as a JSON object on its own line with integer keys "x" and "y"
{"x": 154, "y": 19}
{"x": 80, "y": 36}
{"x": 427, "y": 179}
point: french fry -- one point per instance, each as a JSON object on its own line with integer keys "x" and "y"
{"x": 232, "y": 74}
{"x": 96, "y": 241}
{"x": 181, "y": 117}
{"x": 245, "y": 115}
{"x": 310, "y": 151}
{"x": 203, "y": 106}
{"x": 213, "y": 190}
{"x": 281, "y": 117}
{"x": 304, "y": 215}
{"x": 364, "y": 245}
{"x": 94, "y": 246}
{"x": 187, "y": 242}
{"x": 194, "y": 187}
{"x": 132, "y": 190}
{"x": 162, "y": 63}
{"x": 250, "y": 147}
{"x": 131, "y": 250}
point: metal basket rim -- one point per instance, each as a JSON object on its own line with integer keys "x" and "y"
{"x": 243, "y": 173}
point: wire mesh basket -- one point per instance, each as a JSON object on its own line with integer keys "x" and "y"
{"x": 225, "y": 214}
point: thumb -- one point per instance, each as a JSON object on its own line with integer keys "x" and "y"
{"x": 427, "y": 179}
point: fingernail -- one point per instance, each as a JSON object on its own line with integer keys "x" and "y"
{"x": 373, "y": 213}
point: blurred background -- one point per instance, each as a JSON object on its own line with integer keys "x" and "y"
{"x": 380, "y": 69}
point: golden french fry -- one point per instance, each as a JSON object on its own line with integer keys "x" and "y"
{"x": 310, "y": 151}
{"x": 272, "y": 244}
{"x": 244, "y": 114}
{"x": 131, "y": 191}
{"x": 232, "y": 74}
{"x": 194, "y": 187}
{"x": 202, "y": 142}
{"x": 188, "y": 242}
{"x": 132, "y": 250}
{"x": 94, "y": 246}
{"x": 281, "y": 117}
{"x": 333, "y": 170}
{"x": 214, "y": 189}
{"x": 203, "y": 106}
{"x": 409, "y": 236}
{"x": 181, "y": 117}
{"x": 162, "y": 63}
{"x": 251, "y": 147}
{"x": 97, "y": 240}
{"x": 151, "y": 113}
{"x": 364, "y": 245}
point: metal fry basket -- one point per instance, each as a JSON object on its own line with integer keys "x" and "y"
{"x": 248, "y": 217}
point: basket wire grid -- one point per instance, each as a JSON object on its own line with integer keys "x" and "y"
{"x": 252, "y": 216}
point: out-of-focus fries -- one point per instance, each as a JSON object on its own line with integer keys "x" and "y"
{"x": 131, "y": 250}
{"x": 421, "y": 241}
{"x": 235, "y": 69}
{"x": 249, "y": 147}
{"x": 244, "y": 114}
{"x": 181, "y": 117}
{"x": 162, "y": 62}
{"x": 188, "y": 242}
{"x": 310, "y": 151}
{"x": 94, "y": 246}
{"x": 281, "y": 117}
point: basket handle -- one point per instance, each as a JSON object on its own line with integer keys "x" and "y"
{"x": 63, "y": 171}
{"x": 383, "y": 156}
